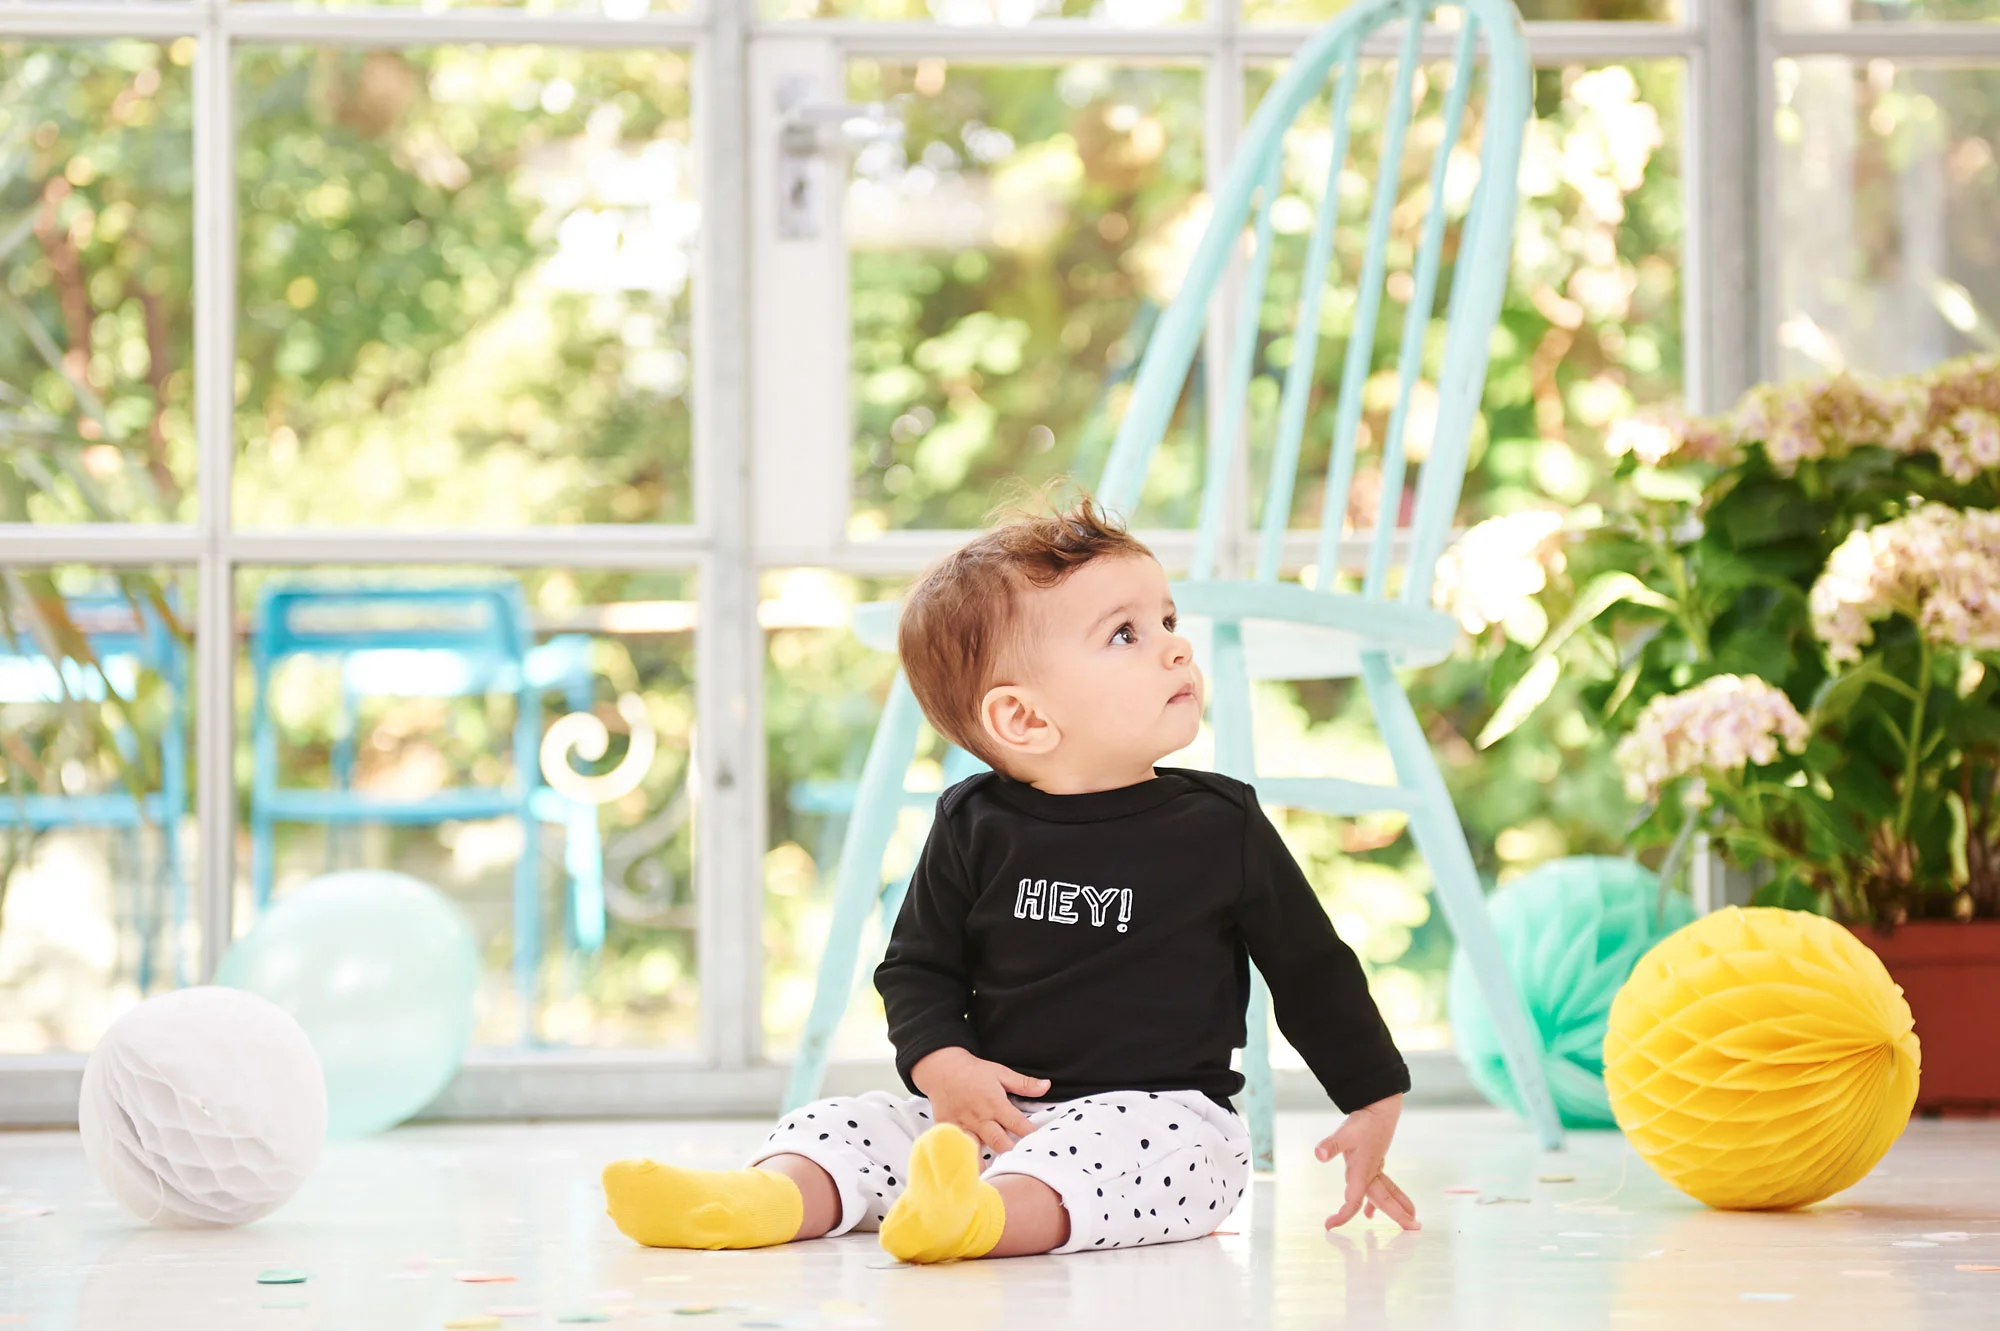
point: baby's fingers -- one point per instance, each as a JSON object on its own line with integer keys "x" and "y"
{"x": 1013, "y": 1119}
{"x": 993, "y": 1137}
{"x": 1389, "y": 1199}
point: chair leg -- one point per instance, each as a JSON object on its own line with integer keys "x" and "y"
{"x": 1440, "y": 837}
{"x": 583, "y": 856}
{"x": 145, "y": 910}
{"x": 528, "y": 920}
{"x": 175, "y": 882}
{"x": 1236, "y": 755}
{"x": 263, "y": 853}
{"x": 857, "y": 884}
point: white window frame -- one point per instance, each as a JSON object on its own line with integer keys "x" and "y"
{"x": 771, "y": 450}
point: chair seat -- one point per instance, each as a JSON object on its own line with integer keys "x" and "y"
{"x": 1293, "y": 632}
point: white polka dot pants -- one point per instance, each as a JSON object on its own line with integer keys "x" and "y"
{"x": 1131, "y": 1167}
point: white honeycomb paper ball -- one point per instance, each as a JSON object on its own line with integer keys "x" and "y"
{"x": 203, "y": 1107}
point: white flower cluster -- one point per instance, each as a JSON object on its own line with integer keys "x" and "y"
{"x": 1938, "y": 566}
{"x": 1719, "y": 725}
{"x": 1659, "y": 437}
{"x": 1831, "y": 417}
{"x": 1967, "y": 443}
{"x": 1952, "y": 413}
{"x": 1497, "y": 568}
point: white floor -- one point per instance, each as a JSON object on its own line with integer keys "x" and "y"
{"x": 386, "y": 1226}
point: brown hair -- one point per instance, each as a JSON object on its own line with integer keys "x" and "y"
{"x": 957, "y": 622}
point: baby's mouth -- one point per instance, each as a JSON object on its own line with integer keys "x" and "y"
{"x": 1186, "y": 694}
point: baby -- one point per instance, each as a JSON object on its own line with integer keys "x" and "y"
{"x": 1070, "y": 970}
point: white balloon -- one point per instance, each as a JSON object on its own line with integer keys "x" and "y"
{"x": 203, "y": 1107}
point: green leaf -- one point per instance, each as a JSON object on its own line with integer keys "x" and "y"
{"x": 1667, "y": 487}
{"x": 1840, "y": 693}
{"x": 1789, "y": 892}
{"x": 1530, "y": 692}
{"x": 1626, "y": 683}
{"x": 1534, "y": 687}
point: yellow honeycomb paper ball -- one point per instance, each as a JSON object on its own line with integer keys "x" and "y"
{"x": 1761, "y": 1059}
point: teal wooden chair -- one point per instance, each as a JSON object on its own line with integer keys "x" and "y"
{"x": 1258, "y": 625}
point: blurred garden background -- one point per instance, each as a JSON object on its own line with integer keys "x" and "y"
{"x": 465, "y": 298}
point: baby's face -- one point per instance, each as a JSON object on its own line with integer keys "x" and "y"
{"x": 1108, "y": 667}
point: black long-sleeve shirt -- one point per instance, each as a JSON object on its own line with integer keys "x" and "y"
{"x": 1104, "y": 941}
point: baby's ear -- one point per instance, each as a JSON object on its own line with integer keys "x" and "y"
{"x": 1014, "y": 724}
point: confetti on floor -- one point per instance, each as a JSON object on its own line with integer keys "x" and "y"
{"x": 470, "y": 1323}
{"x": 1460, "y": 1190}
{"x": 1913, "y": 1243}
{"x": 1765, "y": 1298}
{"x": 1502, "y": 1201}
{"x": 1975, "y": 1266}
{"x": 482, "y": 1277}
{"x": 1557, "y": 1178}
{"x": 1949, "y": 1236}
{"x": 694, "y": 1310}
{"x": 583, "y": 1315}
{"x": 283, "y": 1275}
{"x": 16, "y": 1210}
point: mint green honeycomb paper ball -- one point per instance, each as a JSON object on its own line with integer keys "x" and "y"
{"x": 1571, "y": 930}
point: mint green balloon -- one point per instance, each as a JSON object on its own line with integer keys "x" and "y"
{"x": 381, "y": 972}
{"x": 1571, "y": 932}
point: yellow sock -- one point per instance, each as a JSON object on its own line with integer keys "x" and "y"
{"x": 665, "y": 1207}
{"x": 947, "y": 1211}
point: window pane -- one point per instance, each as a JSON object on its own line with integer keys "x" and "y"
{"x": 97, "y": 835}
{"x": 1008, "y": 259}
{"x": 96, "y": 276}
{"x": 1590, "y": 328}
{"x": 1890, "y": 199}
{"x": 1006, "y": 13}
{"x": 613, "y": 9}
{"x": 464, "y": 287}
{"x": 823, "y": 693}
{"x": 354, "y": 706}
{"x": 1535, "y": 11}
{"x": 1591, "y": 324}
{"x": 1842, "y": 13}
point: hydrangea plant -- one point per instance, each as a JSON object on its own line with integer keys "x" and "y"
{"x": 1790, "y": 616}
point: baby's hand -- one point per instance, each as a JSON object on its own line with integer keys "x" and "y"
{"x": 1364, "y": 1140}
{"x": 970, "y": 1092}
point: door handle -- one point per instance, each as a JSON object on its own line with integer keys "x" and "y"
{"x": 810, "y": 133}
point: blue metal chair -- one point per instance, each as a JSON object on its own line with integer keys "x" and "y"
{"x": 125, "y": 641}
{"x": 430, "y": 642}
{"x": 1260, "y": 627}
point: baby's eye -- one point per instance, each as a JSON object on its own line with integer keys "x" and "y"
{"x": 1172, "y": 622}
{"x": 1124, "y": 634}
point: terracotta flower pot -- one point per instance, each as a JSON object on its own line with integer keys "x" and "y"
{"x": 1950, "y": 973}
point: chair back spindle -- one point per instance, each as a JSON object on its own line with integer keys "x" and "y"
{"x": 1415, "y": 239}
